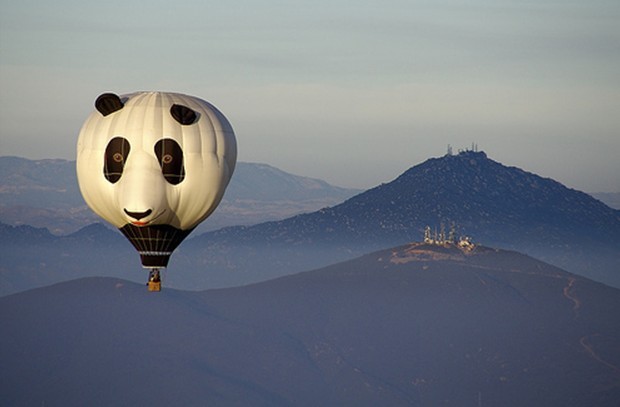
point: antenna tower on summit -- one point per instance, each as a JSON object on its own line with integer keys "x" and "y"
{"x": 440, "y": 238}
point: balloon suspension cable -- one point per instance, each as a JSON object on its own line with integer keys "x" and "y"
{"x": 154, "y": 282}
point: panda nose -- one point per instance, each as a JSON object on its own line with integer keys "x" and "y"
{"x": 138, "y": 215}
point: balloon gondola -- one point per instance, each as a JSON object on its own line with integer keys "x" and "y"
{"x": 155, "y": 165}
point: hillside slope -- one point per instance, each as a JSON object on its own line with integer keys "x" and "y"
{"x": 416, "y": 325}
{"x": 497, "y": 205}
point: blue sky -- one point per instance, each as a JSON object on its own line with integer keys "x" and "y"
{"x": 354, "y": 92}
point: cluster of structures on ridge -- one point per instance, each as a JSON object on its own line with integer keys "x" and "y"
{"x": 473, "y": 149}
{"x": 440, "y": 238}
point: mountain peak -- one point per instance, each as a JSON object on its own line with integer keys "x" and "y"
{"x": 495, "y": 204}
{"x": 477, "y": 192}
{"x": 464, "y": 162}
{"x": 471, "y": 154}
{"x": 421, "y": 251}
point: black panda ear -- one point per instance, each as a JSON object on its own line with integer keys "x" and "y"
{"x": 183, "y": 114}
{"x": 108, "y": 103}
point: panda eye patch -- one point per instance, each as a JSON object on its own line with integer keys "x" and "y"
{"x": 170, "y": 157}
{"x": 115, "y": 158}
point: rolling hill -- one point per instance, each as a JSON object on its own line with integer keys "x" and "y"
{"x": 417, "y": 325}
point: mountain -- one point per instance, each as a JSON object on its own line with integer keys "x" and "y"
{"x": 495, "y": 204}
{"x": 34, "y": 257}
{"x": 417, "y": 325}
{"x": 259, "y": 193}
{"x": 611, "y": 199}
{"x": 44, "y": 193}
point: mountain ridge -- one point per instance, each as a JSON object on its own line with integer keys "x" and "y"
{"x": 496, "y": 205}
{"x": 45, "y": 193}
{"x": 386, "y": 194}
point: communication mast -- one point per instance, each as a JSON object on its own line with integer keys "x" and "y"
{"x": 452, "y": 233}
{"x": 427, "y": 235}
{"x": 440, "y": 238}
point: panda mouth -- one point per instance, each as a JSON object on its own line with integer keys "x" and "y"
{"x": 138, "y": 219}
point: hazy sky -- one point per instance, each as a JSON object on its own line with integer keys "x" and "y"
{"x": 351, "y": 91}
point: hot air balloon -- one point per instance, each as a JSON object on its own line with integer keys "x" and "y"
{"x": 154, "y": 165}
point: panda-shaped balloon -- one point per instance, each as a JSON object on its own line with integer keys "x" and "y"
{"x": 155, "y": 165}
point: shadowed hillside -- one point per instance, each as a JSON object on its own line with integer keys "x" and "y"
{"x": 499, "y": 206}
{"x": 417, "y": 325}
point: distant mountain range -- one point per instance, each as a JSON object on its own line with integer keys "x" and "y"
{"x": 494, "y": 204}
{"x": 416, "y": 325}
{"x": 44, "y": 193}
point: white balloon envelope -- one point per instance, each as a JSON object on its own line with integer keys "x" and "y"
{"x": 155, "y": 165}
